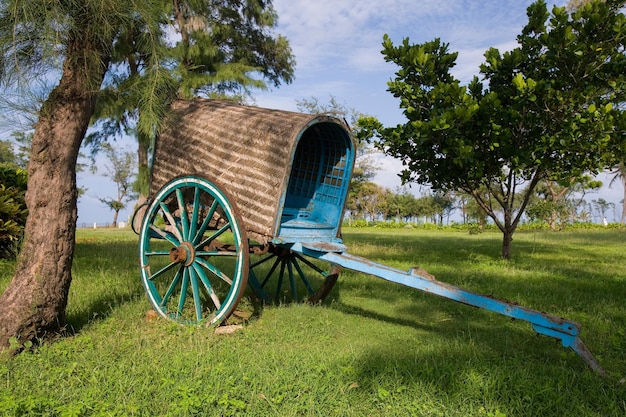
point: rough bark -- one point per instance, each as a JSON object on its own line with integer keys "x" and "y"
{"x": 32, "y": 308}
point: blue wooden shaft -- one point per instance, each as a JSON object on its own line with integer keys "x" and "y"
{"x": 543, "y": 323}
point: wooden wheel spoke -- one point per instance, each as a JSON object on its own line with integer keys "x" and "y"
{"x": 158, "y": 253}
{"x": 165, "y": 234}
{"x": 197, "y": 301}
{"x": 281, "y": 275}
{"x": 303, "y": 277}
{"x": 207, "y": 286}
{"x": 183, "y": 291}
{"x": 269, "y": 274}
{"x": 171, "y": 288}
{"x": 214, "y": 236}
{"x": 184, "y": 220}
{"x": 195, "y": 214}
{"x": 173, "y": 226}
{"x": 205, "y": 224}
{"x": 262, "y": 261}
{"x": 310, "y": 264}
{"x": 163, "y": 270}
{"x": 214, "y": 270}
{"x": 292, "y": 280}
{"x": 224, "y": 253}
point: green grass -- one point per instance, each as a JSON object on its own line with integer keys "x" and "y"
{"x": 373, "y": 348}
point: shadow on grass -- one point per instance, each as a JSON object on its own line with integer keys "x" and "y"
{"x": 473, "y": 356}
{"x": 460, "y": 381}
{"x": 105, "y": 277}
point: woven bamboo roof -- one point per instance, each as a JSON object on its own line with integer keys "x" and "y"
{"x": 244, "y": 149}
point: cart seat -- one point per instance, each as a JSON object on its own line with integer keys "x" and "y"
{"x": 295, "y": 218}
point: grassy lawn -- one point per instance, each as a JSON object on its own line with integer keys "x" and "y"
{"x": 372, "y": 349}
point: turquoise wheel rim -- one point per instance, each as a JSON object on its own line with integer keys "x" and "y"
{"x": 193, "y": 252}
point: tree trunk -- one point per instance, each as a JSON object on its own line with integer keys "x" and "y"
{"x": 116, "y": 213}
{"x": 32, "y": 308}
{"x": 507, "y": 242}
{"x": 553, "y": 218}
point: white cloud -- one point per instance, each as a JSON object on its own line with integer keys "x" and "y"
{"x": 334, "y": 39}
{"x": 337, "y": 30}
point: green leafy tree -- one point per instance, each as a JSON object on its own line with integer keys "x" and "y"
{"x": 548, "y": 110}
{"x": 445, "y": 204}
{"x": 368, "y": 200}
{"x": 7, "y": 156}
{"x": 619, "y": 170}
{"x": 557, "y": 201}
{"x": 402, "y": 205}
{"x": 602, "y": 206}
{"x": 619, "y": 174}
{"x": 73, "y": 38}
{"x": 24, "y": 141}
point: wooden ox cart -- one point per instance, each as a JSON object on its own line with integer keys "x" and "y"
{"x": 244, "y": 195}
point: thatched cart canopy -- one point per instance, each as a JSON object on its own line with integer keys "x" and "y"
{"x": 276, "y": 164}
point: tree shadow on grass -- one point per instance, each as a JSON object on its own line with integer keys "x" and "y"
{"x": 418, "y": 310}
{"x": 480, "y": 380}
{"x": 105, "y": 276}
{"x": 474, "y": 356}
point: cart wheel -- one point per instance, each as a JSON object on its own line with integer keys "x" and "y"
{"x": 189, "y": 275}
{"x": 290, "y": 276}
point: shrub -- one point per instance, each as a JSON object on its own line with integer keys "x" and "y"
{"x": 12, "y": 210}
{"x": 360, "y": 223}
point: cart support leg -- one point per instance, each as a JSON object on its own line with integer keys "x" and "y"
{"x": 546, "y": 324}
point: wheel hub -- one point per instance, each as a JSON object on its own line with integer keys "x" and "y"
{"x": 184, "y": 254}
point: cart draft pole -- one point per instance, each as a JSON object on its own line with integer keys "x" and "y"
{"x": 543, "y": 323}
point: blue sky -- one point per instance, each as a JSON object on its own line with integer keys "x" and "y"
{"x": 337, "y": 46}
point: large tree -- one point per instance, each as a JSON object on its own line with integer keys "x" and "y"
{"x": 36, "y": 37}
{"x": 547, "y": 110}
{"x": 144, "y": 53}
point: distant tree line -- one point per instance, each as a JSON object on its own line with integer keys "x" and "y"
{"x": 554, "y": 205}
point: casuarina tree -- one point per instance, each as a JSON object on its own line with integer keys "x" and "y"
{"x": 71, "y": 39}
